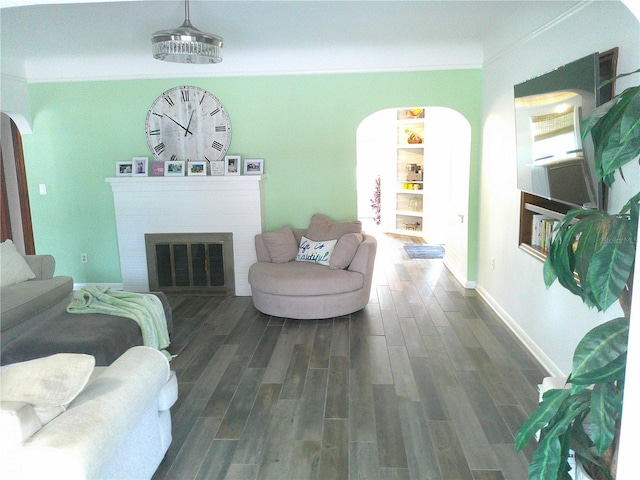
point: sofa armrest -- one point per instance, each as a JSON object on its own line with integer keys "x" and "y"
{"x": 42, "y": 265}
{"x": 365, "y": 256}
{"x": 78, "y": 443}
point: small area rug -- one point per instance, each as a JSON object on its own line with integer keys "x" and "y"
{"x": 424, "y": 251}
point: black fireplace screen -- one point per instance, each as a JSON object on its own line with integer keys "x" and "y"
{"x": 190, "y": 262}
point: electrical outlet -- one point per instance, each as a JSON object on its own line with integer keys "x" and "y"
{"x": 84, "y": 258}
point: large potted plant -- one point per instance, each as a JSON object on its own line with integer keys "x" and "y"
{"x": 592, "y": 255}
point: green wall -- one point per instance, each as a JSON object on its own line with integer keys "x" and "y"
{"x": 304, "y": 126}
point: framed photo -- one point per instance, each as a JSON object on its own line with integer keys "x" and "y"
{"x": 157, "y": 169}
{"x": 197, "y": 168}
{"x": 173, "y": 168}
{"x": 232, "y": 164}
{"x": 124, "y": 169}
{"x": 254, "y": 166}
{"x": 217, "y": 168}
{"x": 139, "y": 166}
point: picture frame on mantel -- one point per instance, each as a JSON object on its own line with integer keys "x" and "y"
{"x": 197, "y": 169}
{"x": 140, "y": 165}
{"x": 124, "y": 169}
{"x": 254, "y": 166}
{"x": 217, "y": 168}
{"x": 232, "y": 164}
{"x": 174, "y": 168}
{"x": 157, "y": 169}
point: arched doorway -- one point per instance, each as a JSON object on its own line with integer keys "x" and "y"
{"x": 16, "y": 212}
{"x": 444, "y": 190}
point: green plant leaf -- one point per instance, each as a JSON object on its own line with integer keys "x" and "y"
{"x": 549, "y": 459}
{"x": 592, "y": 231}
{"x": 606, "y": 403}
{"x": 610, "y": 262}
{"x": 611, "y": 372}
{"x": 552, "y": 400}
{"x": 614, "y": 129}
{"x": 632, "y": 207}
{"x": 567, "y": 256}
{"x": 616, "y": 135}
{"x": 560, "y": 262}
{"x": 601, "y": 346}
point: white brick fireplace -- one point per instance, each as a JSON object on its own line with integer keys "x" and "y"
{"x": 224, "y": 204}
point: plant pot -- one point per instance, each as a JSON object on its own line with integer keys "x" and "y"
{"x": 580, "y": 473}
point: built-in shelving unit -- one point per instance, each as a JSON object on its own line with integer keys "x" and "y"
{"x": 409, "y": 197}
{"x": 537, "y": 215}
{"x": 534, "y": 209}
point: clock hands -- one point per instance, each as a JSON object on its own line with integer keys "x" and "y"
{"x": 186, "y": 130}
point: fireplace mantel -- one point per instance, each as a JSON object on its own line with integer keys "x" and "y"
{"x": 232, "y": 204}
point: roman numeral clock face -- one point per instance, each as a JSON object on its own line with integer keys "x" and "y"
{"x": 188, "y": 123}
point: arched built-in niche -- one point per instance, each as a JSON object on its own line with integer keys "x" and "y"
{"x": 445, "y": 177}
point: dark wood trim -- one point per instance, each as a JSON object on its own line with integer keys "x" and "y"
{"x": 6, "y": 215}
{"x": 608, "y": 70}
{"x": 23, "y": 191}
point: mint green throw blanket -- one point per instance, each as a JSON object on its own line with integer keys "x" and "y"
{"x": 144, "y": 308}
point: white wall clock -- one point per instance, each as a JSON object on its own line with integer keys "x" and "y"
{"x": 188, "y": 123}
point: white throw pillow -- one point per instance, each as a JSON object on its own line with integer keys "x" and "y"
{"x": 48, "y": 383}
{"x": 315, "y": 252}
{"x": 13, "y": 267}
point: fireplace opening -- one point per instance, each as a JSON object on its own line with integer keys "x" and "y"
{"x": 190, "y": 262}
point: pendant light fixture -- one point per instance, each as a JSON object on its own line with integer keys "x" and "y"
{"x": 186, "y": 44}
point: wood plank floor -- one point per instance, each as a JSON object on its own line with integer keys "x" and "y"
{"x": 424, "y": 383}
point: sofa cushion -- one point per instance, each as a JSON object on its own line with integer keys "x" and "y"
{"x": 345, "y": 250}
{"x": 18, "y": 421}
{"x": 14, "y": 267}
{"x": 322, "y": 227}
{"x": 315, "y": 252}
{"x": 302, "y": 278}
{"x": 49, "y": 383}
{"x": 281, "y": 244}
{"x": 25, "y": 299}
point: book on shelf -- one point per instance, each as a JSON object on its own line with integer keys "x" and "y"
{"x": 542, "y": 231}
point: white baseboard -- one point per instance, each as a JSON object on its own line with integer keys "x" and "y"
{"x": 530, "y": 345}
{"x": 461, "y": 278}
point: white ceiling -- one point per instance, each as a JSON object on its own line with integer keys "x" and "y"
{"x": 60, "y": 40}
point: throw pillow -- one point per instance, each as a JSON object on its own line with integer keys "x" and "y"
{"x": 14, "y": 267}
{"x": 345, "y": 250}
{"x": 322, "y": 227}
{"x": 315, "y": 252}
{"x": 49, "y": 383}
{"x": 281, "y": 245}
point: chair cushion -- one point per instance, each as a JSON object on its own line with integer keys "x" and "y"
{"x": 302, "y": 278}
{"x": 322, "y": 227}
{"x": 281, "y": 244}
{"x": 345, "y": 250}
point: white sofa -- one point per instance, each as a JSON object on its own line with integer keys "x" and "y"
{"x": 117, "y": 427}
